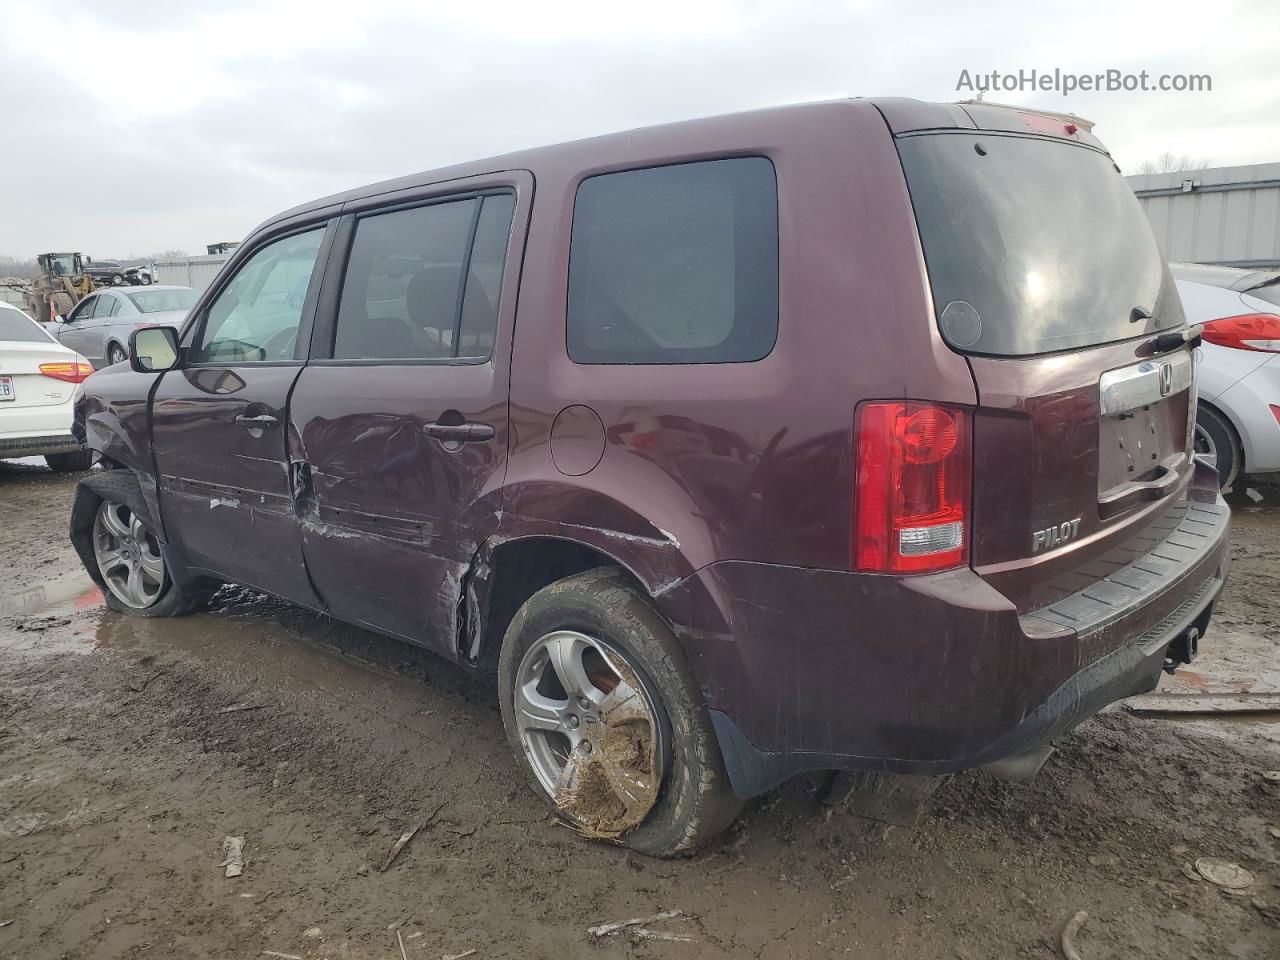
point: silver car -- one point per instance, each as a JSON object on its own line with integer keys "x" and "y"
{"x": 100, "y": 324}
{"x": 1238, "y": 419}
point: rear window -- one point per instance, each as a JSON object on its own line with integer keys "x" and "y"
{"x": 160, "y": 301}
{"x": 1269, "y": 291}
{"x": 15, "y": 327}
{"x": 675, "y": 264}
{"x": 1033, "y": 246}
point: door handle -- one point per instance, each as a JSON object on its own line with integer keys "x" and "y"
{"x": 262, "y": 420}
{"x": 459, "y": 432}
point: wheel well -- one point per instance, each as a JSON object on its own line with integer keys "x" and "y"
{"x": 513, "y": 572}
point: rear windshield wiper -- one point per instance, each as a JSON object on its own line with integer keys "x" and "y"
{"x": 1191, "y": 336}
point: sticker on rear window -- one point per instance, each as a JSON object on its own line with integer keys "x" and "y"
{"x": 961, "y": 324}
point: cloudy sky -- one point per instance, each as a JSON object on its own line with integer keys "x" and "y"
{"x": 141, "y": 125}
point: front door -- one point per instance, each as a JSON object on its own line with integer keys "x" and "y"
{"x": 402, "y": 412}
{"x": 219, "y": 422}
{"x": 82, "y": 333}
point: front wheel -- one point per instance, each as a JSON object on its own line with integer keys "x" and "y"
{"x": 114, "y": 536}
{"x": 607, "y": 720}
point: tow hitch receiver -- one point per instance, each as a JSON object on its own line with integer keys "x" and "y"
{"x": 1182, "y": 649}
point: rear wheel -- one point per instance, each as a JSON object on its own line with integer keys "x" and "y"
{"x": 69, "y": 462}
{"x": 116, "y": 354}
{"x": 608, "y": 722}
{"x": 1216, "y": 440}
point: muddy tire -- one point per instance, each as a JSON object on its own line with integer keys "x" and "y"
{"x": 1216, "y": 438}
{"x": 63, "y": 303}
{"x": 694, "y": 802}
{"x": 113, "y": 533}
{"x": 69, "y": 462}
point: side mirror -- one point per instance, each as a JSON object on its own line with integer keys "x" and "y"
{"x": 153, "y": 349}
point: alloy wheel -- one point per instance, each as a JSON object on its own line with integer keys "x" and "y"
{"x": 591, "y": 731}
{"x": 114, "y": 354}
{"x": 128, "y": 556}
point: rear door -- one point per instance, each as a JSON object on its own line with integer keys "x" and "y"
{"x": 219, "y": 421}
{"x": 1045, "y": 274}
{"x": 402, "y": 413}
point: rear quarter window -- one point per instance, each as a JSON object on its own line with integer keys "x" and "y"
{"x": 675, "y": 264}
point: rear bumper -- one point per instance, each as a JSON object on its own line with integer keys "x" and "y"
{"x": 34, "y": 431}
{"x": 38, "y": 446}
{"x": 1248, "y": 404}
{"x": 811, "y": 669}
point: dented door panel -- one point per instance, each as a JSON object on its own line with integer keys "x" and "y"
{"x": 393, "y": 516}
{"x": 224, "y": 485}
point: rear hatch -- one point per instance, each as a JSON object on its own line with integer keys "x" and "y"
{"x": 1046, "y": 276}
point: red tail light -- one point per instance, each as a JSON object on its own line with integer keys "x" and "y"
{"x": 1249, "y": 331}
{"x": 911, "y": 492}
{"x": 71, "y": 372}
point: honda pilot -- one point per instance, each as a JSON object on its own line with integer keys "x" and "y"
{"x": 844, "y": 436}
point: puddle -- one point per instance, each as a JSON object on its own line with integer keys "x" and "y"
{"x": 256, "y": 645}
{"x": 76, "y": 589}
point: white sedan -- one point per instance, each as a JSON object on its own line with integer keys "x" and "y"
{"x": 39, "y": 380}
{"x": 1238, "y": 419}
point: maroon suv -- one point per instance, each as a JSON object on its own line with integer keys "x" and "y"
{"x": 852, "y": 435}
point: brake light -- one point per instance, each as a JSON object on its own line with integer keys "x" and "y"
{"x": 1249, "y": 331}
{"x": 71, "y": 372}
{"x": 911, "y": 487}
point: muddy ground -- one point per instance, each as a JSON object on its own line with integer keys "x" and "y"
{"x": 122, "y": 769}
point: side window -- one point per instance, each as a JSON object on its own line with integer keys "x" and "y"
{"x": 675, "y": 264}
{"x": 83, "y": 309}
{"x": 107, "y": 307}
{"x": 404, "y": 295}
{"x": 256, "y": 316}
{"x": 484, "y": 278}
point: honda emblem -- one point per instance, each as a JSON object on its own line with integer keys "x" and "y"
{"x": 1166, "y": 379}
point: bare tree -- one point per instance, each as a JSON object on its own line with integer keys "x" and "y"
{"x": 18, "y": 267}
{"x": 1169, "y": 162}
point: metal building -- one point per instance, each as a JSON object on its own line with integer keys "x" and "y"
{"x": 1223, "y": 215}
{"x": 194, "y": 272}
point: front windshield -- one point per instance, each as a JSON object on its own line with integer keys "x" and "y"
{"x": 63, "y": 265}
{"x": 159, "y": 301}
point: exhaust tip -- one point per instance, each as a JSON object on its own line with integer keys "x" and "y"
{"x": 1020, "y": 768}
